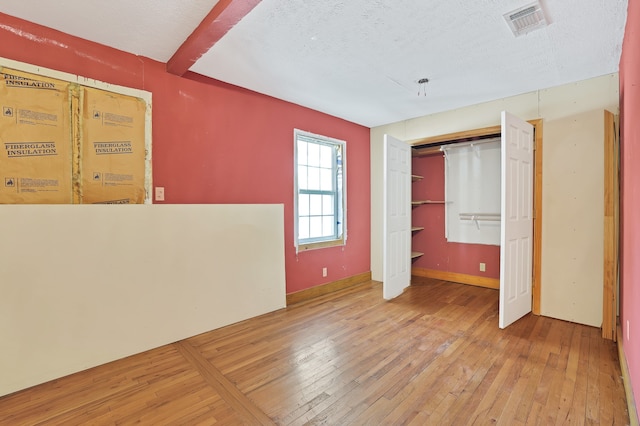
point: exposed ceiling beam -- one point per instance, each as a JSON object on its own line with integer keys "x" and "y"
{"x": 224, "y": 15}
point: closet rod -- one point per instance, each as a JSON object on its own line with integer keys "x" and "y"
{"x": 480, "y": 216}
{"x": 476, "y": 217}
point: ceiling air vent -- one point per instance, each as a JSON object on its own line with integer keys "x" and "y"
{"x": 526, "y": 19}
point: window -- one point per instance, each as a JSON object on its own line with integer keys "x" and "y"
{"x": 320, "y": 196}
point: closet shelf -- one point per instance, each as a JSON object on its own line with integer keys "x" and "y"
{"x": 421, "y": 202}
{"x": 416, "y": 254}
{"x": 427, "y": 150}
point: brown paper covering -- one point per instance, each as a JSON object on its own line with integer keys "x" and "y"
{"x": 35, "y": 139}
{"x": 112, "y": 149}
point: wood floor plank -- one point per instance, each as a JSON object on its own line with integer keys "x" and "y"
{"x": 606, "y": 386}
{"x": 217, "y": 380}
{"x": 434, "y": 355}
{"x": 593, "y": 381}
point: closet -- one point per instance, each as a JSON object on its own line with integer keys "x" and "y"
{"x": 518, "y": 196}
{"x": 436, "y": 254}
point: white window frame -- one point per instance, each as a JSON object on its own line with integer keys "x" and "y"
{"x": 340, "y": 193}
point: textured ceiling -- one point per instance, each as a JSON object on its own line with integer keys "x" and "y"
{"x": 151, "y": 28}
{"x": 361, "y": 59}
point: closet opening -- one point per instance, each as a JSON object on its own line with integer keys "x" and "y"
{"x": 471, "y": 263}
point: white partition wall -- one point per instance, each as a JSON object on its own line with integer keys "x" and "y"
{"x": 82, "y": 285}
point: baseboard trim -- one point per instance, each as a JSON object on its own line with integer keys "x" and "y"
{"x": 457, "y": 278}
{"x": 626, "y": 379}
{"x": 321, "y": 290}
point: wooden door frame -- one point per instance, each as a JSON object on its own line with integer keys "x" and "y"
{"x": 537, "y": 190}
{"x": 611, "y": 228}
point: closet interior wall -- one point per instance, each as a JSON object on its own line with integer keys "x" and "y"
{"x": 441, "y": 257}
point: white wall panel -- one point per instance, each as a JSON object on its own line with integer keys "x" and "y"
{"x": 83, "y": 285}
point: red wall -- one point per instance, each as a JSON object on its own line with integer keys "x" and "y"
{"x": 217, "y": 143}
{"x": 439, "y": 254}
{"x": 630, "y": 195}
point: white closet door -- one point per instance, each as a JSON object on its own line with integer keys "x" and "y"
{"x": 516, "y": 243}
{"x": 397, "y": 218}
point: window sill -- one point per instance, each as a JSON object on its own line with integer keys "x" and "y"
{"x": 321, "y": 244}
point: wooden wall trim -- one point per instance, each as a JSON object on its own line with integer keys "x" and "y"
{"x": 626, "y": 379}
{"x": 609, "y": 293}
{"x": 321, "y": 290}
{"x": 457, "y": 278}
{"x": 493, "y": 130}
{"x": 537, "y": 218}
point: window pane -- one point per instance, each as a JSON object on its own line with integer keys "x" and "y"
{"x": 303, "y": 228}
{"x": 328, "y": 226}
{"x": 302, "y": 177}
{"x": 315, "y": 208}
{"x": 303, "y": 205}
{"x": 313, "y": 150}
{"x": 314, "y": 178}
{"x": 326, "y": 156}
{"x": 302, "y": 152}
{"x": 315, "y": 227}
{"x": 326, "y": 179}
{"x": 319, "y": 183}
{"x": 327, "y": 204}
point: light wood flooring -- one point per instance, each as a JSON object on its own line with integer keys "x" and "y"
{"x": 433, "y": 356}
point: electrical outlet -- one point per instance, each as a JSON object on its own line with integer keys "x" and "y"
{"x": 483, "y": 267}
{"x": 159, "y": 193}
{"x": 324, "y": 272}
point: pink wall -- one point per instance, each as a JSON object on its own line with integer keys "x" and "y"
{"x": 217, "y": 143}
{"x": 630, "y": 195}
{"x": 439, "y": 254}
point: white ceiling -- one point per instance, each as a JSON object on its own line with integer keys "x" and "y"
{"x": 360, "y": 59}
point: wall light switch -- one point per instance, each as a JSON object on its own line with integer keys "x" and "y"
{"x": 483, "y": 267}
{"x": 159, "y": 193}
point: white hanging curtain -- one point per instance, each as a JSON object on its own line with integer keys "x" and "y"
{"x": 472, "y": 192}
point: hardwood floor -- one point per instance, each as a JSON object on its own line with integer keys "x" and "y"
{"x": 433, "y": 356}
